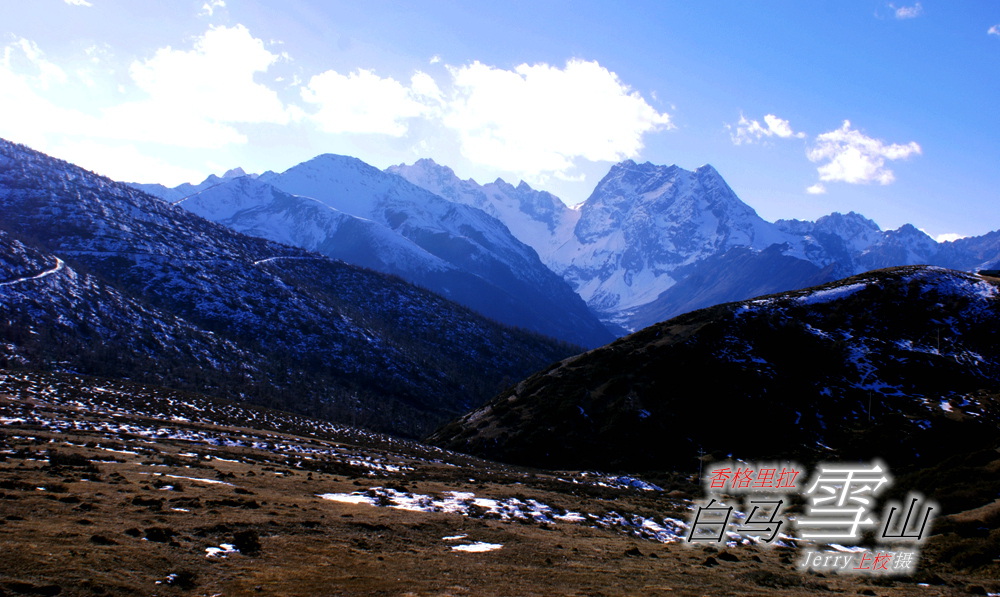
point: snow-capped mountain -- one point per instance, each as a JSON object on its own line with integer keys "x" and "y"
{"x": 644, "y": 224}
{"x": 537, "y": 218}
{"x": 100, "y": 278}
{"x": 259, "y": 209}
{"x": 631, "y": 240}
{"x": 187, "y": 189}
{"x": 655, "y": 241}
{"x": 346, "y": 209}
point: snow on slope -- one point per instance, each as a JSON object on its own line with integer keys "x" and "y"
{"x": 346, "y": 209}
{"x": 647, "y": 227}
{"x": 259, "y": 209}
{"x": 537, "y": 218}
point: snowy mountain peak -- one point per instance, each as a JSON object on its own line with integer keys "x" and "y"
{"x": 337, "y": 160}
{"x": 234, "y": 173}
{"x": 430, "y": 175}
{"x": 708, "y": 171}
{"x": 847, "y": 225}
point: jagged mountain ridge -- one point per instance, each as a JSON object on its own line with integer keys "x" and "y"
{"x": 184, "y": 190}
{"x": 346, "y": 209}
{"x": 645, "y": 245}
{"x": 305, "y": 332}
{"x": 537, "y": 218}
{"x": 831, "y": 372}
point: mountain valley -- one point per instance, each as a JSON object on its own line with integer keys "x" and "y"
{"x": 145, "y": 338}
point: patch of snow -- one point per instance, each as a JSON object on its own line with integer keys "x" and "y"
{"x": 347, "y": 498}
{"x": 222, "y": 551}
{"x": 830, "y": 294}
{"x": 478, "y": 546}
{"x": 211, "y": 481}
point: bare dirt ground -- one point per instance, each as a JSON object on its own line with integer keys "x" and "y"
{"x": 107, "y": 489}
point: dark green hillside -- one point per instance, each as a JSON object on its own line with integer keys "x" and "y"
{"x": 901, "y": 364}
{"x": 151, "y": 292}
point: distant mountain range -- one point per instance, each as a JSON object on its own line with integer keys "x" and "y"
{"x": 97, "y": 277}
{"x": 343, "y": 208}
{"x": 652, "y": 242}
{"x": 900, "y": 363}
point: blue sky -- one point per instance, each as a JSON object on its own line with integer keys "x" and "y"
{"x": 888, "y": 109}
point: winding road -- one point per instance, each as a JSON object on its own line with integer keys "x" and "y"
{"x": 58, "y": 267}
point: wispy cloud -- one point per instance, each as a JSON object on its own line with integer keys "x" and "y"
{"x": 208, "y": 8}
{"x": 751, "y": 131}
{"x": 855, "y": 158}
{"x": 816, "y": 189}
{"x": 78, "y": 3}
{"x": 994, "y": 30}
{"x": 194, "y": 98}
{"x": 907, "y": 12}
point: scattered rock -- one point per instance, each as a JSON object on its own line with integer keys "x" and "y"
{"x": 151, "y": 503}
{"x": 247, "y": 542}
{"x": 160, "y": 534}
{"x": 185, "y": 579}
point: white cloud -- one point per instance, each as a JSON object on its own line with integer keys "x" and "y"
{"x": 123, "y": 162}
{"x": 208, "y": 8}
{"x": 215, "y": 80}
{"x": 536, "y": 120}
{"x": 533, "y": 120}
{"x": 187, "y": 98}
{"x": 194, "y": 96}
{"x": 363, "y": 102}
{"x": 25, "y": 57}
{"x": 424, "y": 86}
{"x": 816, "y": 189}
{"x": 435, "y": 59}
{"x": 948, "y": 237}
{"x": 78, "y": 3}
{"x": 25, "y": 76}
{"x": 994, "y": 30}
{"x": 752, "y": 131}
{"x": 907, "y": 12}
{"x": 852, "y": 157}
